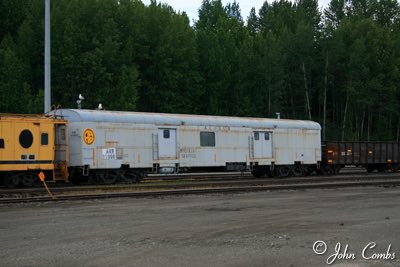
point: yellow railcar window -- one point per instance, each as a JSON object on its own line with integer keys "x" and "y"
{"x": 1, "y": 143}
{"x": 44, "y": 139}
{"x": 26, "y": 138}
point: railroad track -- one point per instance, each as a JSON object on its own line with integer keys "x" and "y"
{"x": 201, "y": 181}
{"x": 197, "y": 187}
{"x": 189, "y": 177}
{"x": 153, "y": 178}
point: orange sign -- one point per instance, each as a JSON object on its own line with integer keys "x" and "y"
{"x": 41, "y": 176}
{"x": 88, "y": 136}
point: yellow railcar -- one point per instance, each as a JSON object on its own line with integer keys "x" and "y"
{"x": 30, "y": 144}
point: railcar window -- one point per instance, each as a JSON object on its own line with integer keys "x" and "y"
{"x": 166, "y": 134}
{"x": 256, "y": 136}
{"x": 26, "y": 139}
{"x": 1, "y": 143}
{"x": 266, "y": 136}
{"x": 207, "y": 139}
{"x": 44, "y": 139}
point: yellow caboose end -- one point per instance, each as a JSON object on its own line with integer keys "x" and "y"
{"x": 30, "y": 144}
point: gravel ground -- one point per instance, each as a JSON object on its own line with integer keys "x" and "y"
{"x": 249, "y": 229}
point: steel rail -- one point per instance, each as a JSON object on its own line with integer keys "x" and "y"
{"x": 238, "y": 175}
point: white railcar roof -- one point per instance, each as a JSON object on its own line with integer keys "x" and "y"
{"x": 84, "y": 115}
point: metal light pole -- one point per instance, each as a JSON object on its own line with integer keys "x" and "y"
{"x": 47, "y": 69}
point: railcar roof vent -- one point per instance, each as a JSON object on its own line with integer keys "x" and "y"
{"x": 79, "y": 101}
{"x": 278, "y": 115}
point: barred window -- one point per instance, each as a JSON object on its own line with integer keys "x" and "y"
{"x": 207, "y": 139}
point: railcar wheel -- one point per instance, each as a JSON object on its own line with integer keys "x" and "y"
{"x": 131, "y": 176}
{"x": 298, "y": 171}
{"x": 395, "y": 167}
{"x": 309, "y": 171}
{"x": 382, "y": 168}
{"x": 337, "y": 169}
{"x": 110, "y": 177}
{"x": 27, "y": 179}
{"x": 11, "y": 181}
{"x": 258, "y": 173}
{"x": 284, "y": 171}
{"x": 92, "y": 178}
{"x": 270, "y": 173}
{"x": 328, "y": 170}
{"x": 105, "y": 177}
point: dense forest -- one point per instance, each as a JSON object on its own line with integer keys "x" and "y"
{"x": 338, "y": 65}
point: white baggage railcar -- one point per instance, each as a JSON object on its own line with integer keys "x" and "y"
{"x": 108, "y": 146}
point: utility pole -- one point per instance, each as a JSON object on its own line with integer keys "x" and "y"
{"x": 47, "y": 59}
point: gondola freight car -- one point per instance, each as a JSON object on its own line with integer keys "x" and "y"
{"x": 379, "y": 156}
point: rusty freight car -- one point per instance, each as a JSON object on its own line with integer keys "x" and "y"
{"x": 379, "y": 156}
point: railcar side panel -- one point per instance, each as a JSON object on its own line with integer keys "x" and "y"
{"x": 113, "y": 145}
{"x": 212, "y": 146}
{"x": 108, "y": 140}
{"x": 293, "y": 145}
{"x": 22, "y": 148}
{"x": 30, "y": 144}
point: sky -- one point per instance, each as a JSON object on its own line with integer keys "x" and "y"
{"x": 191, "y": 6}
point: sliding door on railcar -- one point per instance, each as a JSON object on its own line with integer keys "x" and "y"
{"x": 262, "y": 144}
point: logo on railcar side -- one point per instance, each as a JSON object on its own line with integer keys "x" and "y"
{"x": 88, "y": 136}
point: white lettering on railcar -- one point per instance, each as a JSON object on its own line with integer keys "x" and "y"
{"x": 109, "y": 153}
